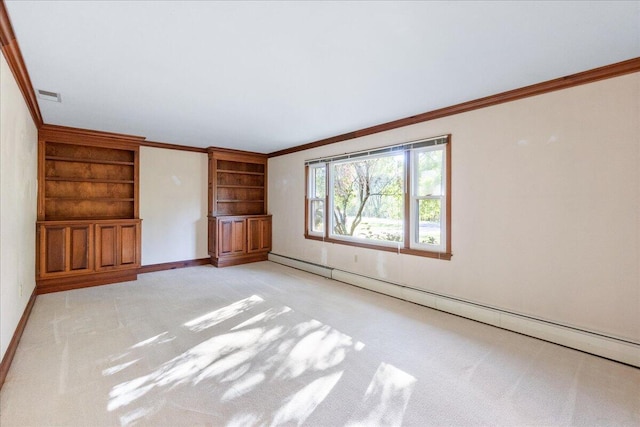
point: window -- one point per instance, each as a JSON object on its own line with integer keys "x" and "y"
{"x": 394, "y": 198}
{"x": 427, "y": 195}
{"x": 367, "y": 199}
{"x": 317, "y": 198}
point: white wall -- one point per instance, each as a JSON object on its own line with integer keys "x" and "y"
{"x": 18, "y": 181}
{"x": 545, "y": 208}
{"x": 173, "y": 205}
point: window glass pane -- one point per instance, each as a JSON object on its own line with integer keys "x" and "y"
{"x": 319, "y": 182}
{"x": 429, "y": 221}
{"x": 317, "y": 216}
{"x": 429, "y": 173}
{"x": 368, "y": 198}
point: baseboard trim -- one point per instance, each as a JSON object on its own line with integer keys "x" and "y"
{"x": 318, "y": 269}
{"x": 13, "y": 345}
{"x": 59, "y": 284}
{"x": 592, "y": 342}
{"x": 173, "y": 265}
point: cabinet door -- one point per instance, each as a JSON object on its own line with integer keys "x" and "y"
{"x": 117, "y": 246}
{"x": 106, "y": 246}
{"x": 259, "y": 233}
{"x": 231, "y": 236}
{"x": 128, "y": 235}
{"x": 65, "y": 249}
{"x": 80, "y": 245}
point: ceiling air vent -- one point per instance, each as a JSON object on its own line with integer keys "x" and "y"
{"x": 49, "y": 96}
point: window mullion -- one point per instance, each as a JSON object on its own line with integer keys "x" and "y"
{"x": 408, "y": 193}
{"x": 328, "y": 190}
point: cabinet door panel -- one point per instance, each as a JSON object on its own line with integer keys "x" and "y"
{"x": 231, "y": 237}
{"x": 259, "y": 233}
{"x": 254, "y": 232}
{"x": 224, "y": 237}
{"x": 56, "y": 248}
{"x": 128, "y": 242}
{"x": 239, "y": 237}
{"x": 266, "y": 234}
{"x": 106, "y": 250}
{"x": 64, "y": 249}
{"x": 80, "y": 244}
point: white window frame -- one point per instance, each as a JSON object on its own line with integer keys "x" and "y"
{"x": 311, "y": 188}
{"x": 414, "y": 207}
{"x": 361, "y": 240}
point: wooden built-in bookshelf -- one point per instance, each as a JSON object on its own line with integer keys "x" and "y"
{"x": 88, "y": 227}
{"x": 88, "y": 182}
{"x": 238, "y": 183}
{"x": 239, "y": 227}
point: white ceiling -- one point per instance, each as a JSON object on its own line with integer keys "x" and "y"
{"x": 263, "y": 76}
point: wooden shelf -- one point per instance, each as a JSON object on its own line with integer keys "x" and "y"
{"x": 239, "y": 201}
{"x": 239, "y": 172}
{"x": 260, "y": 187}
{"x": 92, "y": 199}
{"x": 88, "y": 181}
{"x": 80, "y": 160}
{"x": 90, "y": 219}
{"x": 96, "y": 180}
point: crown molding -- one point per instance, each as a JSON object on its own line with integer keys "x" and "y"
{"x": 590, "y": 76}
{"x": 12, "y": 54}
{"x": 80, "y": 135}
{"x": 168, "y": 146}
{"x": 46, "y": 128}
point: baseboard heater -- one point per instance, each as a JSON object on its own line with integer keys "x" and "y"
{"x": 588, "y": 341}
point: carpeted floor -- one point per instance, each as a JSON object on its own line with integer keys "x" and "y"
{"x": 264, "y": 344}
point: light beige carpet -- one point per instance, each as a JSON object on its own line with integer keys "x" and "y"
{"x": 264, "y": 344}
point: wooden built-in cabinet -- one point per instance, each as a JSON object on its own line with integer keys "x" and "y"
{"x": 239, "y": 239}
{"x": 73, "y": 253}
{"x": 239, "y": 227}
{"x": 88, "y": 228}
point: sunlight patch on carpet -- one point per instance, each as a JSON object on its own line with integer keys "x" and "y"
{"x": 386, "y": 398}
{"x": 225, "y": 313}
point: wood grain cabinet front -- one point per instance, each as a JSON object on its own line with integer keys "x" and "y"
{"x": 75, "y": 254}
{"x": 117, "y": 246}
{"x": 65, "y": 249}
{"x": 232, "y": 234}
{"x": 259, "y": 234}
{"x": 239, "y": 239}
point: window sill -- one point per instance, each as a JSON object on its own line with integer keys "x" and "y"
{"x": 405, "y": 251}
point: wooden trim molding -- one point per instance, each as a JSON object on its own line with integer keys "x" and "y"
{"x": 6, "y": 29}
{"x": 68, "y": 283}
{"x": 12, "y": 54}
{"x": 66, "y": 130}
{"x": 172, "y": 146}
{"x": 251, "y": 154}
{"x": 13, "y": 345}
{"x": 85, "y": 135}
{"x": 173, "y": 265}
{"x": 590, "y": 76}
{"x": 405, "y": 251}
